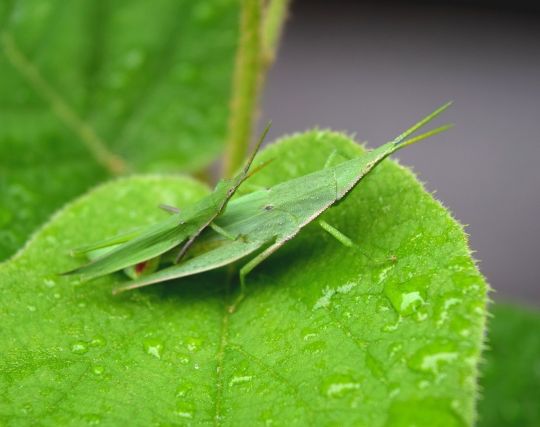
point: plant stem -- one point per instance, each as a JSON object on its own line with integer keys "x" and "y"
{"x": 256, "y": 51}
{"x": 274, "y": 19}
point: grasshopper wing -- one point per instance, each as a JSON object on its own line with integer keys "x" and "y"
{"x": 227, "y": 253}
{"x": 156, "y": 240}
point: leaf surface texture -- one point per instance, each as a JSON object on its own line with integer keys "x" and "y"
{"x": 325, "y": 336}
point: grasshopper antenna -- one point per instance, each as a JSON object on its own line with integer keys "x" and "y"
{"x": 421, "y": 123}
{"x": 168, "y": 208}
{"x": 257, "y": 147}
{"x": 236, "y": 182}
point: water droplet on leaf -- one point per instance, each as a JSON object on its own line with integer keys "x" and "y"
{"x": 240, "y": 380}
{"x": 433, "y": 357}
{"x": 338, "y": 386}
{"x": 407, "y": 297}
{"x": 153, "y": 347}
{"x": 98, "y": 341}
{"x": 80, "y": 347}
{"x": 184, "y": 389}
{"x": 193, "y": 344}
{"x": 184, "y": 409}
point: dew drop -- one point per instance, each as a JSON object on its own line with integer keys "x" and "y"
{"x": 31, "y": 308}
{"x": 325, "y": 300}
{"x": 309, "y": 336}
{"x": 193, "y": 344}
{"x": 98, "y": 369}
{"x": 407, "y": 297}
{"x": 383, "y": 305}
{"x": 79, "y": 347}
{"x": 444, "y": 306}
{"x": 383, "y": 274}
{"x": 183, "y": 390}
{"x": 183, "y": 359}
{"x": 98, "y": 341}
{"x": 240, "y": 380}
{"x": 153, "y": 347}
{"x": 392, "y": 326}
{"x": 338, "y": 386}
{"x": 433, "y": 357}
{"x": 346, "y": 288}
{"x": 184, "y": 409}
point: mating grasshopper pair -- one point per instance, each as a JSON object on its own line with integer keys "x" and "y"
{"x": 217, "y": 231}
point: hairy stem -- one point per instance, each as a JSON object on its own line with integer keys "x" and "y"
{"x": 259, "y": 37}
{"x": 274, "y": 19}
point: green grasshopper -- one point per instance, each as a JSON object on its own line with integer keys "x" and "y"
{"x": 138, "y": 250}
{"x": 264, "y": 219}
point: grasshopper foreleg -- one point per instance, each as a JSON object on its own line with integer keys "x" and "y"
{"x": 223, "y": 232}
{"x": 246, "y": 269}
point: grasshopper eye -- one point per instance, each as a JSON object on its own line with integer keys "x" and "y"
{"x": 268, "y": 207}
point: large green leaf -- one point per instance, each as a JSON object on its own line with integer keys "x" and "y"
{"x": 510, "y": 377}
{"x": 326, "y": 335}
{"x": 87, "y": 81}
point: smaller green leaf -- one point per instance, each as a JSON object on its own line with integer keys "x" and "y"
{"x": 510, "y": 378}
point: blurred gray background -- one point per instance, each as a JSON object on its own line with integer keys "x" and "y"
{"x": 373, "y": 68}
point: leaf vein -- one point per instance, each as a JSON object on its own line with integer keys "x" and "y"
{"x": 95, "y": 145}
